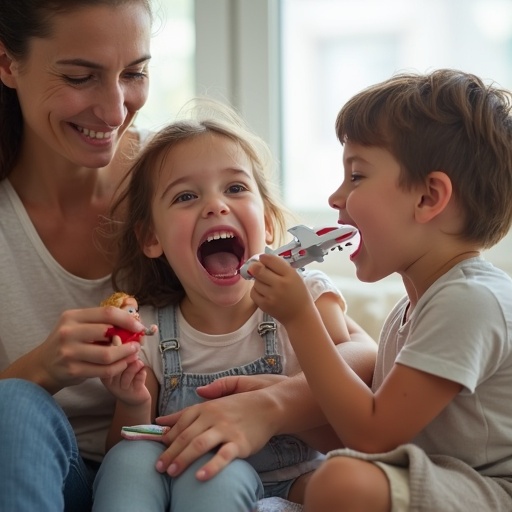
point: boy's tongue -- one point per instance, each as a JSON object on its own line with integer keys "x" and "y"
{"x": 221, "y": 264}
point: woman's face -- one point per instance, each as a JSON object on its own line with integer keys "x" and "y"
{"x": 81, "y": 87}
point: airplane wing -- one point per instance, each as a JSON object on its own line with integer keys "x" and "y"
{"x": 306, "y": 236}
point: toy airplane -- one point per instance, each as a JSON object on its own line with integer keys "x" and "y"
{"x": 310, "y": 244}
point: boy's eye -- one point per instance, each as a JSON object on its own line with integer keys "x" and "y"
{"x": 235, "y": 189}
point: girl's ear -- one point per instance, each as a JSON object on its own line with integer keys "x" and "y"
{"x": 7, "y": 64}
{"x": 149, "y": 242}
{"x": 436, "y": 195}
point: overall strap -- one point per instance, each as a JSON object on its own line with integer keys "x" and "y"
{"x": 267, "y": 329}
{"x": 169, "y": 343}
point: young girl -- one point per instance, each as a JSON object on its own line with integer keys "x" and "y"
{"x": 199, "y": 204}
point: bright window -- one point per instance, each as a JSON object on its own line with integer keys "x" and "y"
{"x": 171, "y": 70}
{"x": 332, "y": 49}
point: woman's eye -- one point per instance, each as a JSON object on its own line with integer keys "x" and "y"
{"x": 77, "y": 80}
{"x": 355, "y": 177}
{"x": 136, "y": 75}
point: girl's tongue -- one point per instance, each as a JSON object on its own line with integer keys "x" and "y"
{"x": 221, "y": 264}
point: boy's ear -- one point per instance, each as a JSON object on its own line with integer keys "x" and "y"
{"x": 436, "y": 195}
{"x": 149, "y": 242}
{"x": 269, "y": 231}
{"x": 7, "y": 64}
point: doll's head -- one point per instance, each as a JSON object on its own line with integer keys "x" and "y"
{"x": 123, "y": 301}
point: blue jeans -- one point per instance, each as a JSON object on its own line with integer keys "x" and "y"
{"x": 40, "y": 465}
{"x": 235, "y": 489}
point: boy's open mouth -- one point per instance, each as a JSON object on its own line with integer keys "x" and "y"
{"x": 221, "y": 255}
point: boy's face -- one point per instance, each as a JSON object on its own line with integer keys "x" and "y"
{"x": 371, "y": 199}
{"x": 208, "y": 217}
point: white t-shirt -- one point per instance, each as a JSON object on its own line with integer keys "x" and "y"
{"x": 35, "y": 291}
{"x": 207, "y": 353}
{"x": 461, "y": 330}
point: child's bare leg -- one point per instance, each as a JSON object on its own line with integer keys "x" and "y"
{"x": 298, "y": 488}
{"x": 343, "y": 484}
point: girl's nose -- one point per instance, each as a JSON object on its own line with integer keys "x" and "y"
{"x": 215, "y": 206}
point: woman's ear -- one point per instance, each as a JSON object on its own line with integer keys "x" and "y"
{"x": 436, "y": 195}
{"x": 7, "y": 65}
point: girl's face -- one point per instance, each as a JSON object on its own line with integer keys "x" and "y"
{"x": 80, "y": 88}
{"x": 208, "y": 217}
{"x": 371, "y": 199}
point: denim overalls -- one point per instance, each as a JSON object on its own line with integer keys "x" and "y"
{"x": 284, "y": 457}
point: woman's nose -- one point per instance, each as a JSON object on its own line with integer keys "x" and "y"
{"x": 111, "y": 108}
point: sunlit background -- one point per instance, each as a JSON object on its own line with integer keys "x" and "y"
{"x": 289, "y": 65}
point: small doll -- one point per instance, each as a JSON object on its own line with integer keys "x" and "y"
{"x": 118, "y": 335}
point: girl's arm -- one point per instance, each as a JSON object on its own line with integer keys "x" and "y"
{"x": 136, "y": 390}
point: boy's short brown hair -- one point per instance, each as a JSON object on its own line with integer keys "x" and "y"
{"x": 447, "y": 121}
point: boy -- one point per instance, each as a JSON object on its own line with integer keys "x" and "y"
{"x": 428, "y": 183}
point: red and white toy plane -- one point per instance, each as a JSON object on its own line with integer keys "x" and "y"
{"x": 309, "y": 244}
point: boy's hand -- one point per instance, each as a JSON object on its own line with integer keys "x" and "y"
{"x": 279, "y": 290}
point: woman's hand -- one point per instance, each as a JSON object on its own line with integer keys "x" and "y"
{"x": 69, "y": 355}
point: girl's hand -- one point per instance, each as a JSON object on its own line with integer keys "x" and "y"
{"x": 129, "y": 386}
{"x": 70, "y": 355}
{"x": 278, "y": 289}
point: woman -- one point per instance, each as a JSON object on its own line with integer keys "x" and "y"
{"x": 73, "y": 76}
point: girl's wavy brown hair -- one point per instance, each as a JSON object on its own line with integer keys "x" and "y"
{"x": 152, "y": 280}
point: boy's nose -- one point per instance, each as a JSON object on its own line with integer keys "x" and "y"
{"x": 336, "y": 199}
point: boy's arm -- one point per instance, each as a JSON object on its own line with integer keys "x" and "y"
{"x": 406, "y": 402}
{"x": 251, "y": 409}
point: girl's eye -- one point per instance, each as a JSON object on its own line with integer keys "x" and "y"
{"x": 186, "y": 196}
{"x": 355, "y": 177}
{"x": 236, "y": 189}
{"x": 132, "y": 310}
